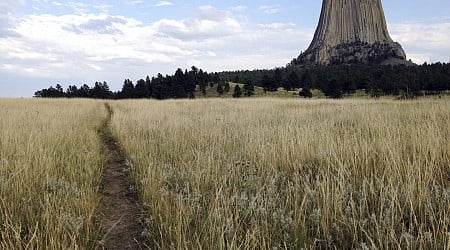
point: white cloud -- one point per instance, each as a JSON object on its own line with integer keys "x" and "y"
{"x": 106, "y": 47}
{"x": 90, "y": 40}
{"x": 6, "y": 17}
{"x": 270, "y": 9}
{"x": 111, "y": 47}
{"x": 62, "y": 46}
{"x": 96, "y": 67}
{"x": 278, "y": 26}
{"x": 134, "y": 1}
{"x": 211, "y": 23}
{"x": 423, "y": 42}
{"x": 83, "y": 8}
{"x": 163, "y": 3}
{"x": 239, "y": 8}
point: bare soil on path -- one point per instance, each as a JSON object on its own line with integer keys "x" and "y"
{"x": 118, "y": 213}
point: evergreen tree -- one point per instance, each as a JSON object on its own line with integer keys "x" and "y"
{"x": 249, "y": 88}
{"x": 179, "y": 92}
{"x": 72, "y": 91}
{"x": 220, "y": 89}
{"x": 237, "y": 92}
{"x": 216, "y": 78}
{"x": 189, "y": 84}
{"x": 101, "y": 91}
{"x": 278, "y": 77}
{"x": 291, "y": 82}
{"x": 60, "y": 91}
{"x": 127, "y": 90}
{"x": 226, "y": 87}
{"x": 269, "y": 83}
{"x": 307, "y": 80}
{"x": 372, "y": 89}
{"x": 85, "y": 91}
{"x": 202, "y": 81}
{"x": 179, "y": 84}
{"x": 141, "y": 89}
{"x": 349, "y": 87}
{"x": 148, "y": 83}
{"x": 306, "y": 93}
{"x": 332, "y": 88}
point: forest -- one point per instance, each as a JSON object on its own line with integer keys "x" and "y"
{"x": 333, "y": 81}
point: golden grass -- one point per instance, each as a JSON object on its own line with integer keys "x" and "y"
{"x": 286, "y": 174}
{"x": 50, "y": 171}
{"x": 238, "y": 174}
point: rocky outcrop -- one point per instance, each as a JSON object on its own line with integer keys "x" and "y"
{"x": 352, "y": 31}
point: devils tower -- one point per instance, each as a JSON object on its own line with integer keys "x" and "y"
{"x": 352, "y": 31}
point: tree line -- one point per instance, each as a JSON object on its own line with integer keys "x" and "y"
{"x": 336, "y": 80}
{"x": 182, "y": 84}
{"x": 333, "y": 81}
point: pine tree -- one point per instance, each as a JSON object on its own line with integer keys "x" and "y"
{"x": 237, "y": 92}
{"x": 141, "y": 89}
{"x": 306, "y": 93}
{"x": 127, "y": 89}
{"x": 226, "y": 87}
{"x": 269, "y": 83}
{"x": 220, "y": 89}
{"x": 249, "y": 88}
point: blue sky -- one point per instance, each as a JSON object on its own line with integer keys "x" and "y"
{"x": 45, "y": 42}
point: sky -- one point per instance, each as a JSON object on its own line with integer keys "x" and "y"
{"x": 49, "y": 42}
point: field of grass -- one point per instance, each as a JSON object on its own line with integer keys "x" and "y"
{"x": 261, "y": 173}
{"x": 287, "y": 174}
{"x": 50, "y": 171}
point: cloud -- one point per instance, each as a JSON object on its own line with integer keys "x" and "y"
{"x": 102, "y": 24}
{"x": 111, "y": 47}
{"x": 96, "y": 44}
{"x": 239, "y": 8}
{"x": 82, "y": 7}
{"x": 134, "y": 1}
{"x": 270, "y": 9}
{"x": 47, "y": 44}
{"x": 277, "y": 26}
{"x": 163, "y": 3}
{"x": 7, "y": 17}
{"x": 211, "y": 23}
{"x": 423, "y": 42}
{"x": 117, "y": 47}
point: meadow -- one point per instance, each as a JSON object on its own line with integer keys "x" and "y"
{"x": 261, "y": 173}
{"x": 290, "y": 174}
{"x": 50, "y": 173}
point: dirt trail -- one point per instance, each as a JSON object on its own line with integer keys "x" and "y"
{"x": 118, "y": 212}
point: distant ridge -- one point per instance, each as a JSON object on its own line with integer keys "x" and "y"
{"x": 352, "y": 31}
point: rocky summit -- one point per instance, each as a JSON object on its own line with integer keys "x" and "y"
{"x": 352, "y": 31}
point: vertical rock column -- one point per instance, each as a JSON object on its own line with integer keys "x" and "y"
{"x": 352, "y": 31}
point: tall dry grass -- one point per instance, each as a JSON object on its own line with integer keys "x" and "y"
{"x": 50, "y": 171}
{"x": 287, "y": 174}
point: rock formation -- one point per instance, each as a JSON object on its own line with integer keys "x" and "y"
{"x": 352, "y": 31}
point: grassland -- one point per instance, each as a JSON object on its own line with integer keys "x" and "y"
{"x": 260, "y": 173}
{"x": 50, "y": 171}
{"x": 287, "y": 174}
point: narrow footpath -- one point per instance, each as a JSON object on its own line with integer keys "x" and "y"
{"x": 118, "y": 213}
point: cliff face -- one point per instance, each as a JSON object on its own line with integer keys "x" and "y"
{"x": 352, "y": 31}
